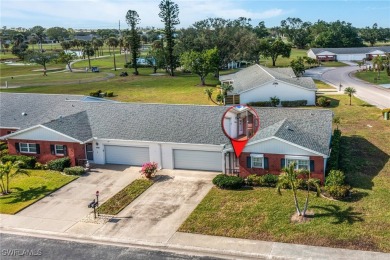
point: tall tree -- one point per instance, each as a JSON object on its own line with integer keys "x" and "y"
{"x": 39, "y": 32}
{"x": 88, "y": 50}
{"x": 57, "y": 34}
{"x": 378, "y": 63}
{"x": 370, "y": 35}
{"x": 132, "y": 20}
{"x": 7, "y": 171}
{"x": 200, "y": 63}
{"x": 270, "y": 48}
{"x": 113, "y": 42}
{"x": 169, "y": 14}
{"x": 350, "y": 91}
{"x": 298, "y": 66}
{"x": 66, "y": 58}
{"x": 297, "y": 31}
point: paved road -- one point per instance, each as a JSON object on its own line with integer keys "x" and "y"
{"x": 22, "y": 247}
{"x": 370, "y": 93}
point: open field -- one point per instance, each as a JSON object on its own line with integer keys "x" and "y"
{"x": 372, "y": 76}
{"x": 361, "y": 222}
{"x": 28, "y": 189}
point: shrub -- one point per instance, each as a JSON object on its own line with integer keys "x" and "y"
{"x": 274, "y": 101}
{"x": 76, "y": 170}
{"x": 260, "y": 104}
{"x": 228, "y": 182}
{"x": 149, "y": 169}
{"x": 39, "y": 166}
{"x": 338, "y": 192}
{"x": 94, "y": 94}
{"x": 3, "y": 146}
{"x": 294, "y": 103}
{"x": 28, "y": 162}
{"x": 335, "y": 178}
{"x": 59, "y": 164}
{"x": 4, "y": 152}
{"x": 110, "y": 94}
{"x": 253, "y": 180}
{"x": 323, "y": 102}
{"x": 270, "y": 180}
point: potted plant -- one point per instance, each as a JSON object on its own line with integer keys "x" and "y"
{"x": 149, "y": 169}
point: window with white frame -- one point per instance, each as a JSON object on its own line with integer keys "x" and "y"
{"x": 257, "y": 160}
{"x": 301, "y": 162}
{"x": 59, "y": 149}
{"x": 28, "y": 148}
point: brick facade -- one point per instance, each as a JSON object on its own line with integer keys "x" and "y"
{"x": 75, "y": 150}
{"x": 274, "y": 166}
{"x": 6, "y": 131}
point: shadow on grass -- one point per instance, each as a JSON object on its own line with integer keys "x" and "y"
{"x": 341, "y": 216}
{"x": 361, "y": 161}
{"x": 26, "y": 195}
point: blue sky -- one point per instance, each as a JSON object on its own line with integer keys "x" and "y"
{"x": 107, "y": 13}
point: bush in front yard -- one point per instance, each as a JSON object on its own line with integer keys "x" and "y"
{"x": 228, "y": 182}
{"x": 59, "y": 164}
{"x": 267, "y": 180}
{"x": 76, "y": 170}
{"x": 28, "y": 162}
{"x": 338, "y": 192}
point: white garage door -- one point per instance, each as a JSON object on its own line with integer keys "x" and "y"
{"x": 197, "y": 160}
{"x": 129, "y": 155}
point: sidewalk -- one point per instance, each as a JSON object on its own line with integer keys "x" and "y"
{"x": 185, "y": 243}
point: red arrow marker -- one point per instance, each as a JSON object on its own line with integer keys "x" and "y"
{"x": 238, "y": 146}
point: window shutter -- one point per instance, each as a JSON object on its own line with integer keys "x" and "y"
{"x": 52, "y": 149}
{"x": 311, "y": 165}
{"x": 65, "y": 150}
{"x": 282, "y": 163}
{"x": 248, "y": 162}
{"x": 17, "y": 147}
{"x": 266, "y": 163}
{"x": 38, "y": 147}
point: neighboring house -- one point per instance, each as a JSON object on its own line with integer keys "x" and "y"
{"x": 347, "y": 54}
{"x": 174, "y": 136}
{"x": 257, "y": 83}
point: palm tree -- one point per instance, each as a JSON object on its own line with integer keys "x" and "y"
{"x": 113, "y": 42}
{"x": 378, "y": 64}
{"x": 7, "y": 170}
{"x": 350, "y": 91}
{"x": 289, "y": 178}
{"x": 88, "y": 50}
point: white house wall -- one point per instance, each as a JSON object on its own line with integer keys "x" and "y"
{"x": 311, "y": 54}
{"x": 41, "y": 133}
{"x": 284, "y": 91}
{"x": 275, "y": 146}
{"x": 161, "y": 153}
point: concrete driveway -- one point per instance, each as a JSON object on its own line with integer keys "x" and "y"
{"x": 68, "y": 205}
{"x": 158, "y": 213}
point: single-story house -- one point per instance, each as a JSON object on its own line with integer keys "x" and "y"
{"x": 347, "y": 54}
{"x": 258, "y": 83}
{"x": 174, "y": 136}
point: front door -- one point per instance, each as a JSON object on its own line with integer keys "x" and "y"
{"x": 89, "y": 151}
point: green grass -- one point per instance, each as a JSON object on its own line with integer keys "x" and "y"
{"x": 362, "y": 222}
{"x": 370, "y": 76}
{"x": 28, "y": 189}
{"x": 333, "y": 64}
{"x": 123, "y": 198}
{"x": 322, "y": 85}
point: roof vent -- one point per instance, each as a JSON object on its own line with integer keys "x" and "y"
{"x": 60, "y": 117}
{"x": 288, "y": 128}
{"x": 24, "y": 114}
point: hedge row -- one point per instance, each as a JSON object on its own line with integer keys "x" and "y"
{"x": 260, "y": 104}
{"x": 76, "y": 170}
{"x": 59, "y": 164}
{"x": 294, "y": 103}
{"x": 333, "y": 161}
{"x": 99, "y": 92}
{"x": 228, "y": 182}
{"x": 267, "y": 180}
{"x": 28, "y": 161}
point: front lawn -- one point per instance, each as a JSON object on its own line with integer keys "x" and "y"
{"x": 28, "y": 189}
{"x": 362, "y": 222}
{"x": 322, "y": 85}
{"x": 123, "y": 198}
{"x": 372, "y": 77}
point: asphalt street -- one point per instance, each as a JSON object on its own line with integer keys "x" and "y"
{"x": 372, "y": 94}
{"x": 26, "y": 247}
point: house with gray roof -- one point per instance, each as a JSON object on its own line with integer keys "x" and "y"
{"x": 258, "y": 83}
{"x": 175, "y": 136}
{"x": 347, "y": 54}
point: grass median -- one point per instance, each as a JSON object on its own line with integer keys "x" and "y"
{"x": 123, "y": 198}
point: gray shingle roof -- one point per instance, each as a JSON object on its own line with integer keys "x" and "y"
{"x": 159, "y": 122}
{"x": 257, "y": 75}
{"x": 355, "y": 50}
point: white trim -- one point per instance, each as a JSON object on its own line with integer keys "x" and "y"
{"x": 41, "y": 126}
{"x": 257, "y": 155}
{"x": 4, "y": 127}
{"x": 55, "y": 149}
{"x": 294, "y": 157}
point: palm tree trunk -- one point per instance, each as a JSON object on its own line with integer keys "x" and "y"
{"x": 89, "y": 62}
{"x": 114, "y": 61}
{"x": 296, "y": 203}
{"x": 7, "y": 188}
